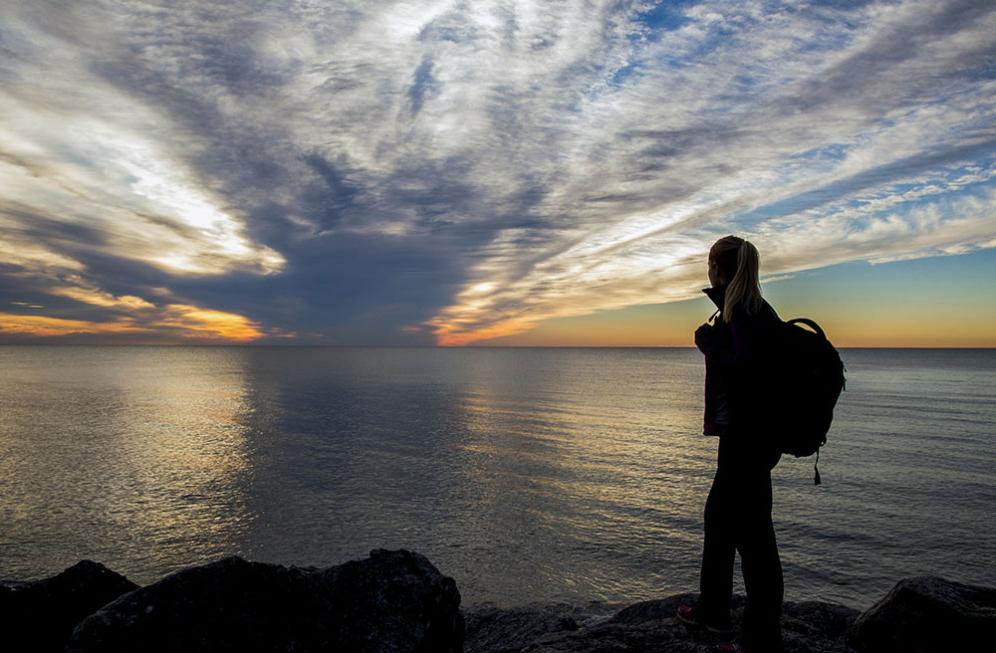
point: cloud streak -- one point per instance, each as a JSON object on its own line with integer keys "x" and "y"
{"x": 450, "y": 172}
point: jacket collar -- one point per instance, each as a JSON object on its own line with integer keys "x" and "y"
{"x": 717, "y": 294}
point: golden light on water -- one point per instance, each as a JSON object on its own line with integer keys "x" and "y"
{"x": 148, "y": 451}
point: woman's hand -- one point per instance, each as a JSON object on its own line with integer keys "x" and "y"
{"x": 704, "y": 336}
{"x": 715, "y": 341}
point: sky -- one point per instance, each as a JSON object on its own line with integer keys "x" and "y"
{"x": 492, "y": 173}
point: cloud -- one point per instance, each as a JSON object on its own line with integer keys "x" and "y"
{"x": 42, "y": 326}
{"x": 170, "y": 323}
{"x": 206, "y": 323}
{"x": 101, "y": 298}
{"x": 451, "y": 171}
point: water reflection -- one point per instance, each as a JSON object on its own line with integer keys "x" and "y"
{"x": 138, "y": 461}
{"x": 578, "y": 478}
{"x": 514, "y": 471}
{"x": 525, "y": 474}
{"x": 350, "y": 451}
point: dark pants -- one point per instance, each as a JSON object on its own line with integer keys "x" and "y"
{"x": 738, "y": 519}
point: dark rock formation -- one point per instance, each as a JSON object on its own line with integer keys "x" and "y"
{"x": 928, "y": 614}
{"x": 497, "y": 630}
{"x": 393, "y": 602}
{"x": 398, "y": 602}
{"x": 39, "y": 616}
{"x": 810, "y": 627}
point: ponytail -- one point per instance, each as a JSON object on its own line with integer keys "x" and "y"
{"x": 740, "y": 257}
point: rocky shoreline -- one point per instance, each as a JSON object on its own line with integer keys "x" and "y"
{"x": 397, "y": 601}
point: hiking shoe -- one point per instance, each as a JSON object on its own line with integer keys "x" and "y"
{"x": 689, "y": 615}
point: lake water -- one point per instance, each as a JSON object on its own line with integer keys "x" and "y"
{"x": 525, "y": 474}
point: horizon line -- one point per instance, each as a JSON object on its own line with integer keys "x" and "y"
{"x": 454, "y": 347}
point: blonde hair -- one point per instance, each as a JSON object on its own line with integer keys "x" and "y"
{"x": 739, "y": 263}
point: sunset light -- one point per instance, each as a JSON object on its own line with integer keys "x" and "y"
{"x": 443, "y": 174}
{"x": 499, "y": 325}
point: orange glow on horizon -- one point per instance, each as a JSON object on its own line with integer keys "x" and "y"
{"x": 174, "y": 320}
{"x": 208, "y": 323}
{"x": 453, "y": 335}
{"x": 673, "y": 325}
{"x": 43, "y": 326}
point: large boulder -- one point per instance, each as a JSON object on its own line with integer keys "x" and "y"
{"x": 927, "y": 615}
{"x": 392, "y": 602}
{"x": 39, "y": 616}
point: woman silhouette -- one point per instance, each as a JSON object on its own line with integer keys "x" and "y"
{"x": 738, "y": 509}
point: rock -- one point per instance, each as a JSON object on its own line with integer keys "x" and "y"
{"x": 496, "y": 630}
{"x": 928, "y": 614}
{"x": 39, "y": 616}
{"x": 392, "y": 602}
{"x": 398, "y": 602}
{"x": 643, "y": 626}
{"x": 816, "y": 627}
{"x": 658, "y": 609}
{"x": 816, "y": 618}
{"x": 809, "y": 627}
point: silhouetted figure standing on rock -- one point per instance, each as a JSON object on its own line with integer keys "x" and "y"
{"x": 738, "y": 509}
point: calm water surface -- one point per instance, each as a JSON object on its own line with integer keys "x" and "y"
{"x": 526, "y": 474}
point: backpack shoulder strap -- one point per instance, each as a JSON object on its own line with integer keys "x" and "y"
{"x": 812, "y": 325}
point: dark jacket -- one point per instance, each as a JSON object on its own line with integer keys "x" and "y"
{"x": 735, "y": 355}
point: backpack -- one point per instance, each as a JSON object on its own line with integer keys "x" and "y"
{"x": 808, "y": 377}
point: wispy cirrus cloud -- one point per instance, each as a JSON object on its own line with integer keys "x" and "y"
{"x": 451, "y": 172}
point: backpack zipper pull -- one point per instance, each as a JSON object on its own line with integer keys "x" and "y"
{"x": 816, "y": 478}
